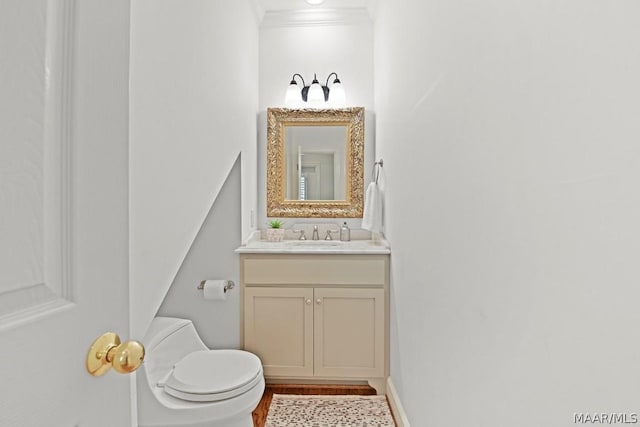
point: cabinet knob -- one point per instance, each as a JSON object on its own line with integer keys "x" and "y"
{"x": 319, "y": 301}
{"x": 308, "y": 301}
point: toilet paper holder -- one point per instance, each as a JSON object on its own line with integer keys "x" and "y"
{"x": 230, "y": 285}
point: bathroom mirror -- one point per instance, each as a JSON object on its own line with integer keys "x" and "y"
{"x": 315, "y": 162}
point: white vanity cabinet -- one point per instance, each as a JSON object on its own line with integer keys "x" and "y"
{"x": 317, "y": 316}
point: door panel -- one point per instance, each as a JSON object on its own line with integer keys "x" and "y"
{"x": 279, "y": 329}
{"x": 64, "y": 169}
{"x": 349, "y": 332}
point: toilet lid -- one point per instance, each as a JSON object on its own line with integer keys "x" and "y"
{"x": 211, "y": 375}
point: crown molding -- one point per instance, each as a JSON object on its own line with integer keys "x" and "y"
{"x": 306, "y": 18}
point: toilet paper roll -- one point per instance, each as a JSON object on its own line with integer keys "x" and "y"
{"x": 214, "y": 290}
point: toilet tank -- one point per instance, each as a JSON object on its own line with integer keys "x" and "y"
{"x": 167, "y": 341}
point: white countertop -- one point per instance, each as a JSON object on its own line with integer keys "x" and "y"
{"x": 254, "y": 245}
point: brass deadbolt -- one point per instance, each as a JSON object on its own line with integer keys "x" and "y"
{"x": 107, "y": 352}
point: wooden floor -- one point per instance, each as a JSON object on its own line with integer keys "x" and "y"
{"x": 260, "y": 413}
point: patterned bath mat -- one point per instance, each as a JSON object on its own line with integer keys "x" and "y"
{"x": 288, "y": 410}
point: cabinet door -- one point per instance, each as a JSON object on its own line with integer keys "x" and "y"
{"x": 349, "y": 332}
{"x": 278, "y": 327}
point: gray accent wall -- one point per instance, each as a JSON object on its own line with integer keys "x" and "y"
{"x": 212, "y": 256}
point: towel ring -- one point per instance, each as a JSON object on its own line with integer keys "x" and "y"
{"x": 376, "y": 170}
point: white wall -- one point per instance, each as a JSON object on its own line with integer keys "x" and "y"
{"x": 510, "y": 137}
{"x": 194, "y": 97}
{"x": 341, "y": 43}
{"x": 298, "y": 42}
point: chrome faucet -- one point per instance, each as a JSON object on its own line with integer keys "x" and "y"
{"x": 302, "y": 236}
{"x": 315, "y": 235}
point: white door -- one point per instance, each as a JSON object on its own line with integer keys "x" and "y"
{"x": 317, "y": 167}
{"x": 63, "y": 209}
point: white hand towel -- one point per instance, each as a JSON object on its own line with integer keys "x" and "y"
{"x": 372, "y": 215}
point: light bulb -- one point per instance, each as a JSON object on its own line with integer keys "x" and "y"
{"x": 337, "y": 95}
{"x": 316, "y": 94}
{"x": 293, "y": 97}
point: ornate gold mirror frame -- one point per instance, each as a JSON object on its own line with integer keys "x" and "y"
{"x": 277, "y": 121}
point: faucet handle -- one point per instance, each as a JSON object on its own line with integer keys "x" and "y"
{"x": 302, "y": 236}
{"x": 329, "y": 234}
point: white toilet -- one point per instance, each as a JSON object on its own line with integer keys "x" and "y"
{"x": 182, "y": 383}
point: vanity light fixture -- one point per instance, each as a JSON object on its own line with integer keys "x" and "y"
{"x": 315, "y": 94}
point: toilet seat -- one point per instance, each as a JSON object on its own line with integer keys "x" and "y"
{"x": 213, "y": 375}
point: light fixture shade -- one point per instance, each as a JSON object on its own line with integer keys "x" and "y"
{"x": 314, "y": 2}
{"x": 316, "y": 94}
{"x": 293, "y": 97}
{"x": 337, "y": 96}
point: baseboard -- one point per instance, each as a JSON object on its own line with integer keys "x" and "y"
{"x": 396, "y": 406}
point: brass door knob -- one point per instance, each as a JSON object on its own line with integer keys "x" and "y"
{"x": 107, "y": 352}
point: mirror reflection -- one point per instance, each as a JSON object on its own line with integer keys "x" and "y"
{"x": 315, "y": 158}
{"x": 315, "y": 162}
